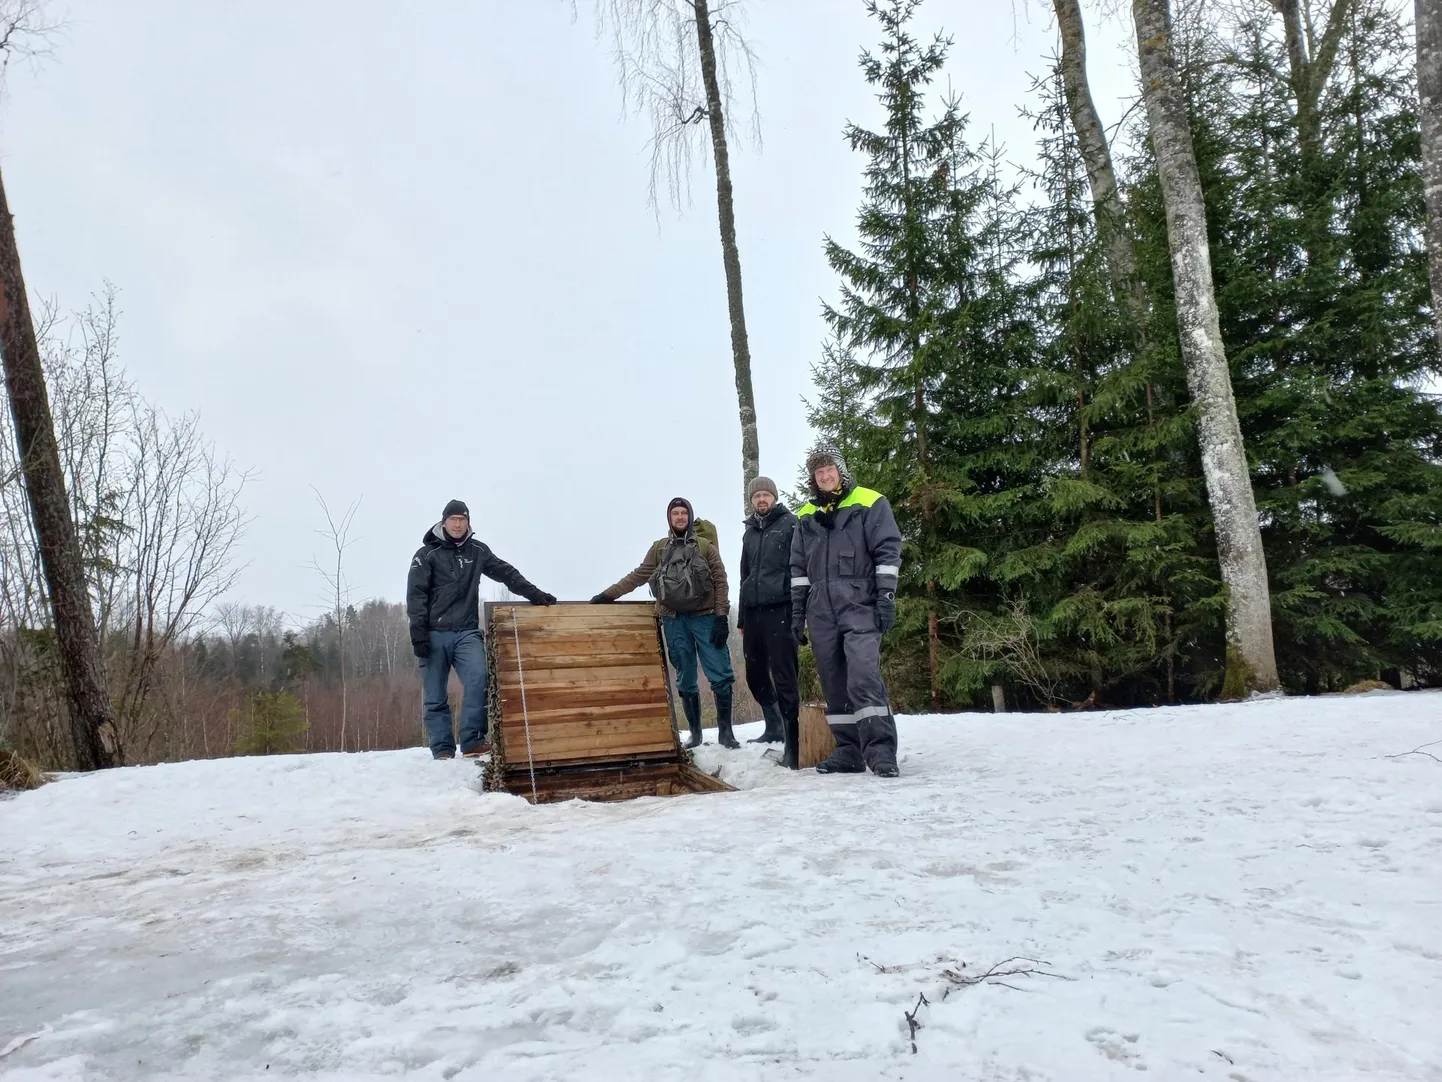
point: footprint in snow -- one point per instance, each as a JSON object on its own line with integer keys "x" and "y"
{"x": 748, "y": 1026}
{"x": 1117, "y": 1047}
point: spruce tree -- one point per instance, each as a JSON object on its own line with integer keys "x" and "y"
{"x": 886, "y": 318}
{"x": 1103, "y": 562}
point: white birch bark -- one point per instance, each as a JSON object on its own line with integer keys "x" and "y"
{"x": 1224, "y": 460}
{"x": 1429, "y": 91}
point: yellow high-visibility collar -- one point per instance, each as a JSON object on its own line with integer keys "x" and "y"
{"x": 858, "y": 496}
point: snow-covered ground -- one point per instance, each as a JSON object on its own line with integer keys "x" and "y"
{"x": 1246, "y": 892}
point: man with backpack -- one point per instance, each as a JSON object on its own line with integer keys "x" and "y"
{"x": 845, "y": 559}
{"x": 443, "y": 603}
{"x": 688, "y": 580}
{"x": 764, "y": 617}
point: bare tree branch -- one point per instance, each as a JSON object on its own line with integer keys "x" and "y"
{"x": 654, "y": 44}
{"x": 1419, "y": 750}
{"x": 27, "y": 31}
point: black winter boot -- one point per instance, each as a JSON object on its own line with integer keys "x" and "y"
{"x": 878, "y": 745}
{"x": 791, "y": 746}
{"x": 846, "y": 759}
{"x": 774, "y": 725}
{"x": 691, "y": 705}
{"x": 724, "y": 736}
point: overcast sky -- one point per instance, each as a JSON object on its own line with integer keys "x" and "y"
{"x": 402, "y": 253}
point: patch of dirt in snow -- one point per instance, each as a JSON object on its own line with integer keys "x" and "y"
{"x": 1232, "y": 892}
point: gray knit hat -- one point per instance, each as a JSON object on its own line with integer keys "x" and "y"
{"x": 761, "y": 484}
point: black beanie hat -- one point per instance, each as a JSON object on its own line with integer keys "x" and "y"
{"x": 455, "y": 507}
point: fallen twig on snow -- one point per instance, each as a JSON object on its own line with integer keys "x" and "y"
{"x": 881, "y": 968}
{"x": 1419, "y": 750}
{"x": 1016, "y": 966}
{"x": 1019, "y": 967}
{"x": 911, "y": 1022}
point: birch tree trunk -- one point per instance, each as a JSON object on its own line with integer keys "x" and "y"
{"x": 1101, "y": 175}
{"x": 1310, "y": 60}
{"x": 1429, "y": 90}
{"x": 1251, "y": 660}
{"x": 730, "y": 257}
{"x": 92, "y": 718}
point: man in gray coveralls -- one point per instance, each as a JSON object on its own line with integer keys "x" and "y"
{"x": 845, "y": 559}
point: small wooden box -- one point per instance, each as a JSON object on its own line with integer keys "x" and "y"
{"x": 580, "y": 705}
{"x": 816, "y": 739}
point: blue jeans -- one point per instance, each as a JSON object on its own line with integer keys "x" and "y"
{"x": 465, "y": 651}
{"x": 688, "y": 637}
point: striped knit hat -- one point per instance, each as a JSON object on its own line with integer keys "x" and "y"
{"x": 826, "y": 454}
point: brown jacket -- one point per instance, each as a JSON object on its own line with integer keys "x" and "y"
{"x": 718, "y": 601}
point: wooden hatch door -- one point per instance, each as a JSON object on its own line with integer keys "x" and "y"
{"x": 580, "y": 704}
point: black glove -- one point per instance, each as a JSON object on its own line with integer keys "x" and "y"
{"x": 885, "y": 611}
{"x": 798, "y": 632}
{"x": 720, "y": 632}
{"x": 601, "y": 599}
{"x": 421, "y": 648}
{"x": 543, "y": 598}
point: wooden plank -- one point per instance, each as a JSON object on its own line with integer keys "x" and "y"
{"x": 816, "y": 741}
{"x": 581, "y": 659}
{"x": 631, "y": 716}
{"x": 505, "y": 610}
{"x": 506, "y": 628}
{"x": 562, "y": 728}
{"x": 643, "y": 683}
{"x": 526, "y": 618}
{"x": 698, "y": 781}
{"x": 610, "y": 675}
{"x": 584, "y": 701}
{"x": 566, "y": 745}
{"x": 540, "y": 714}
{"x": 598, "y": 748}
{"x": 574, "y": 627}
{"x": 562, "y": 722}
{"x": 639, "y": 648}
{"x": 576, "y": 707}
{"x": 539, "y": 644}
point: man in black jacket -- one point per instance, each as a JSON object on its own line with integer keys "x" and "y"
{"x": 443, "y": 602}
{"x": 765, "y": 617}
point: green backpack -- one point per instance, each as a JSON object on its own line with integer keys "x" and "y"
{"x": 682, "y": 580}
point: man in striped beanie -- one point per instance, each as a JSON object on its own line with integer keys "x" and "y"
{"x": 845, "y": 559}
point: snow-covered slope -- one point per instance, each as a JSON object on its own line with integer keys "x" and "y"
{"x": 1248, "y": 892}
